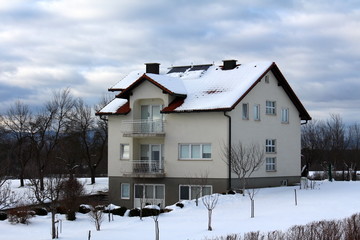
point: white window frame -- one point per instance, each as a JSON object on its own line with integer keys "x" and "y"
{"x": 285, "y": 115}
{"x": 191, "y": 146}
{"x": 144, "y": 192}
{"x": 190, "y": 197}
{"x": 125, "y": 191}
{"x": 245, "y": 111}
{"x": 270, "y": 164}
{"x": 257, "y": 112}
{"x": 123, "y": 152}
{"x": 270, "y": 107}
{"x": 270, "y": 146}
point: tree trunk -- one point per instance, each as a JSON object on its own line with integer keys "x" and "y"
{"x": 22, "y": 180}
{"x": 209, "y": 222}
{"x": 252, "y": 208}
{"x": 53, "y": 228}
{"x": 92, "y": 173}
{"x": 354, "y": 176}
{"x": 157, "y": 231}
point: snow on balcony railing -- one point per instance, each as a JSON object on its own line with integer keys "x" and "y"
{"x": 143, "y": 126}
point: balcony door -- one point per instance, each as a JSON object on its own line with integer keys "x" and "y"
{"x": 151, "y": 157}
{"x": 151, "y": 118}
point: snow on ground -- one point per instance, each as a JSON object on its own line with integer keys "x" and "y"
{"x": 25, "y": 193}
{"x": 274, "y": 210}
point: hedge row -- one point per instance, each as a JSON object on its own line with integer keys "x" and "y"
{"x": 347, "y": 229}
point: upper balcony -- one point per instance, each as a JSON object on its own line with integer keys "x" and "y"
{"x": 143, "y": 128}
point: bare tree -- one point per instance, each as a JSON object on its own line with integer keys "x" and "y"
{"x": 17, "y": 121}
{"x": 155, "y": 217}
{"x": 47, "y": 128}
{"x": 338, "y": 143}
{"x": 354, "y": 150}
{"x": 251, "y": 193}
{"x": 49, "y": 196}
{"x": 197, "y": 184}
{"x": 97, "y": 216}
{"x": 312, "y": 144}
{"x": 210, "y": 202}
{"x": 93, "y": 135}
{"x": 244, "y": 160}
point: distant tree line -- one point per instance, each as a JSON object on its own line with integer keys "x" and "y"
{"x": 63, "y": 136}
{"x": 331, "y": 146}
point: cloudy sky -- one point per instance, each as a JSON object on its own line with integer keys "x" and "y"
{"x": 88, "y": 45}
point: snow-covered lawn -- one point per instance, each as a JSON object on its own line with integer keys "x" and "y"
{"x": 274, "y": 210}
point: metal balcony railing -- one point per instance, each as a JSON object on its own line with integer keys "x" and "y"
{"x": 143, "y": 126}
{"x": 147, "y": 167}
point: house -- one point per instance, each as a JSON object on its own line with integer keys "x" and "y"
{"x": 168, "y": 131}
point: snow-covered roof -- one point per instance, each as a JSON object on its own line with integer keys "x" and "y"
{"x": 113, "y": 106}
{"x": 219, "y": 89}
{"x": 202, "y": 87}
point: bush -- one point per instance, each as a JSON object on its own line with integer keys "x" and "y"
{"x": 135, "y": 212}
{"x": 84, "y": 209}
{"x": 61, "y": 210}
{"x": 3, "y": 216}
{"x": 119, "y": 211}
{"x": 20, "y": 215}
{"x": 166, "y": 210}
{"x": 40, "y": 211}
{"x": 231, "y": 192}
{"x": 71, "y": 216}
{"x": 147, "y": 212}
{"x": 180, "y": 205}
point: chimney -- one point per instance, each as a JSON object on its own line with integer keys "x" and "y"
{"x": 152, "y": 68}
{"x": 229, "y": 64}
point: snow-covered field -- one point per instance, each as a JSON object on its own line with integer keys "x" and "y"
{"x": 275, "y": 209}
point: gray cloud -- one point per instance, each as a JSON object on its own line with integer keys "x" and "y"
{"x": 89, "y": 45}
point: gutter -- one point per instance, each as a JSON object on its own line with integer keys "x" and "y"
{"x": 303, "y": 123}
{"x": 229, "y": 149}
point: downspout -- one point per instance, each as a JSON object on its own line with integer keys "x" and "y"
{"x": 229, "y": 153}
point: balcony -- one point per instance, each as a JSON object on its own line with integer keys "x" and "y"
{"x": 145, "y": 168}
{"x": 143, "y": 128}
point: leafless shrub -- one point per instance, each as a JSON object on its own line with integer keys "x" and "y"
{"x": 254, "y": 236}
{"x": 73, "y": 190}
{"x": 21, "y": 215}
{"x": 210, "y": 202}
{"x": 97, "y": 216}
{"x": 7, "y": 196}
{"x": 352, "y": 227}
{"x": 276, "y": 235}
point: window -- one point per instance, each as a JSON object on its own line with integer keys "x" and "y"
{"x": 125, "y": 191}
{"x": 150, "y": 191}
{"x": 285, "y": 115}
{"x": 270, "y": 164}
{"x": 270, "y": 145}
{"x": 195, "y": 151}
{"x": 124, "y": 151}
{"x": 267, "y": 79}
{"x": 245, "y": 111}
{"x": 271, "y": 107}
{"x": 188, "y": 192}
{"x": 257, "y": 112}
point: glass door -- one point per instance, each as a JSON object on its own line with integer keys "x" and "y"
{"x": 151, "y": 118}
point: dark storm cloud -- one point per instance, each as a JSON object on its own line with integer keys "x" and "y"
{"x": 89, "y": 45}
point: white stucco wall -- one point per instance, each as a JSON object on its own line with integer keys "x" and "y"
{"x": 287, "y": 135}
{"x": 212, "y": 127}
